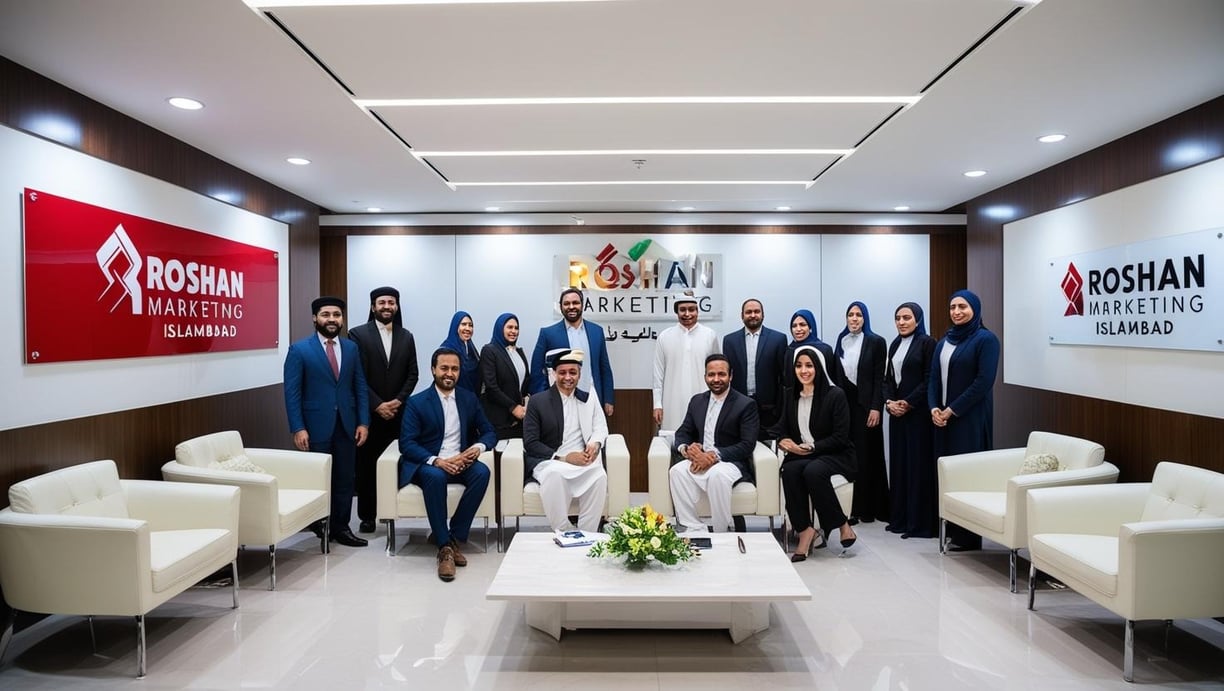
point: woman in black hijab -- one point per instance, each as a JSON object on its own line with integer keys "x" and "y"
{"x": 914, "y": 487}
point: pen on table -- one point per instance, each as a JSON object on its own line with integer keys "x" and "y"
{"x": 743, "y": 550}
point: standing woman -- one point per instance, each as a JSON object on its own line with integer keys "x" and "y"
{"x": 803, "y": 330}
{"x": 503, "y": 371}
{"x": 814, "y": 432}
{"x": 459, "y": 339}
{"x": 959, "y": 392}
{"x": 862, "y": 353}
{"x": 914, "y": 486}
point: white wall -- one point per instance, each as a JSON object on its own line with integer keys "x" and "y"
{"x": 1185, "y": 381}
{"x": 490, "y": 274}
{"x": 34, "y": 394}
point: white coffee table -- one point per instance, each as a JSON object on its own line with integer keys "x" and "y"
{"x": 562, "y": 588}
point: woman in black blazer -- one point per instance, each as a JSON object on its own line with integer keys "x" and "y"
{"x": 862, "y": 355}
{"x": 505, "y": 379}
{"x": 814, "y": 432}
{"x": 914, "y": 486}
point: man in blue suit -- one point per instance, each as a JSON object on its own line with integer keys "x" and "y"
{"x": 575, "y": 333}
{"x": 325, "y": 398}
{"x": 757, "y": 355}
{"x": 443, "y": 434}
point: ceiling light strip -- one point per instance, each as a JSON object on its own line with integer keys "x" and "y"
{"x": 590, "y": 183}
{"x": 640, "y": 152}
{"x": 360, "y": 3}
{"x": 631, "y": 100}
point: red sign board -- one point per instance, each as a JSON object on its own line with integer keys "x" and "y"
{"x": 105, "y": 284}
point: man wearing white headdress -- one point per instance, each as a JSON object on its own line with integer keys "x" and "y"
{"x": 563, "y": 432}
{"x": 679, "y": 363}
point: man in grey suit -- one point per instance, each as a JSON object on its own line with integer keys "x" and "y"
{"x": 757, "y": 355}
{"x": 715, "y": 441}
{"x": 389, "y": 361}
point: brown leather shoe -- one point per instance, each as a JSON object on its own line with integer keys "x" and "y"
{"x": 460, "y": 560}
{"x": 446, "y": 564}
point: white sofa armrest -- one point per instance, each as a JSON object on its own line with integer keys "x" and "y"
{"x": 74, "y": 564}
{"x": 1019, "y": 485}
{"x": 512, "y": 463}
{"x": 386, "y": 482}
{"x": 658, "y": 463}
{"x": 258, "y": 500}
{"x": 984, "y": 471}
{"x": 294, "y": 469}
{"x": 616, "y": 458}
{"x": 182, "y": 505}
{"x": 1085, "y": 509}
{"x": 767, "y": 466}
{"x": 488, "y": 505}
{"x": 1176, "y": 566}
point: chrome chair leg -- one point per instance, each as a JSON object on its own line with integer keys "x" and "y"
{"x": 1011, "y": 564}
{"x": 234, "y": 581}
{"x": 943, "y": 536}
{"x": 1032, "y": 584}
{"x": 390, "y": 537}
{"x": 140, "y": 646}
{"x": 327, "y": 535}
{"x": 272, "y": 566}
{"x": 1128, "y": 655}
{"x": 93, "y": 639}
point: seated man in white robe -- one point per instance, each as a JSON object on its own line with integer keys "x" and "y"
{"x": 563, "y": 433}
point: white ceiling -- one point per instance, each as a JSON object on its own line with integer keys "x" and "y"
{"x": 1093, "y": 69}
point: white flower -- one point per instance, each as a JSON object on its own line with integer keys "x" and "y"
{"x": 656, "y": 542}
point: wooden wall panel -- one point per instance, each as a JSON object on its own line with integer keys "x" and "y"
{"x": 1135, "y": 437}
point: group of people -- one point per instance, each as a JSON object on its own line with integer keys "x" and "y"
{"x": 824, "y": 405}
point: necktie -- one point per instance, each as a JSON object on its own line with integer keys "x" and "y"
{"x": 331, "y": 358}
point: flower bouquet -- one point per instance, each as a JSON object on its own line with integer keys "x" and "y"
{"x": 641, "y": 536}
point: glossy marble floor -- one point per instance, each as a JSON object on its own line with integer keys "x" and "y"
{"x": 894, "y": 615}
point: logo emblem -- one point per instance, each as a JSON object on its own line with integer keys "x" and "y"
{"x": 1073, "y": 290}
{"x": 120, "y": 263}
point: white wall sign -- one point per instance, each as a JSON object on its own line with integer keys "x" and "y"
{"x": 1162, "y": 293}
{"x": 638, "y": 282}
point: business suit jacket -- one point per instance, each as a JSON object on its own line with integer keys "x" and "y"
{"x": 735, "y": 432}
{"x": 553, "y": 337}
{"x": 387, "y": 379}
{"x": 911, "y": 382}
{"x": 770, "y": 359}
{"x": 314, "y": 396}
{"x": 871, "y": 365}
{"x": 830, "y": 426}
{"x": 502, "y": 389}
{"x": 544, "y": 426}
{"x": 424, "y": 426}
{"x": 971, "y": 378}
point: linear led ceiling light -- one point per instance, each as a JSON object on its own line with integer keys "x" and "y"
{"x": 639, "y": 152}
{"x": 630, "y": 100}
{"x": 581, "y": 183}
{"x": 358, "y": 3}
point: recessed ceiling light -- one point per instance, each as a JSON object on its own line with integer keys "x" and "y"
{"x": 373, "y": 209}
{"x": 782, "y": 208}
{"x": 688, "y": 208}
{"x": 298, "y": 161}
{"x": 901, "y": 208}
{"x": 974, "y": 173}
{"x": 492, "y": 208}
{"x": 1051, "y": 138}
{"x": 185, "y": 103}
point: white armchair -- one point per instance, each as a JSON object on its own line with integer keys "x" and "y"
{"x": 292, "y": 493}
{"x": 394, "y": 502}
{"x": 984, "y": 493}
{"x": 519, "y": 500}
{"x": 1141, "y": 550}
{"x": 80, "y": 541}
{"x": 759, "y": 498}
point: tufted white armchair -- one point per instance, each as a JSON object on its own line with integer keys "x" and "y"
{"x": 293, "y": 492}
{"x": 394, "y": 502}
{"x": 759, "y": 498}
{"x": 1151, "y": 550}
{"x": 81, "y": 541}
{"x": 984, "y": 492}
{"x": 518, "y": 499}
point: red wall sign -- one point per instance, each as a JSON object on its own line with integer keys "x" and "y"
{"x": 104, "y": 284}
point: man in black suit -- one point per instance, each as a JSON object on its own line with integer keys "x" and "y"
{"x": 757, "y": 355}
{"x": 389, "y": 360}
{"x": 715, "y": 442}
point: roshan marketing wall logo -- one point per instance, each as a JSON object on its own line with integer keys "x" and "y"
{"x": 641, "y": 282}
{"x": 120, "y": 264}
{"x": 1073, "y": 288}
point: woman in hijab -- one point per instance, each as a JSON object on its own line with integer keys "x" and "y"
{"x": 503, "y": 371}
{"x": 861, "y": 353}
{"x": 959, "y": 392}
{"x": 803, "y": 331}
{"x": 814, "y": 433}
{"x": 459, "y": 339}
{"x": 914, "y": 487}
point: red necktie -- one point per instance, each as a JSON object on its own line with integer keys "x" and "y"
{"x": 331, "y": 358}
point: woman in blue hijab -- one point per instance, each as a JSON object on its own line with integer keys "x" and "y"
{"x": 913, "y": 484}
{"x": 503, "y": 371}
{"x": 459, "y": 339}
{"x": 862, "y": 353}
{"x": 803, "y": 332}
{"x": 959, "y": 392}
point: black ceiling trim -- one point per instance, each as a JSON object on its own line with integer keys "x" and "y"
{"x": 971, "y": 48}
{"x": 272, "y": 17}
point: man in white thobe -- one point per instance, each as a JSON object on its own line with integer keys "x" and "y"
{"x": 563, "y": 433}
{"x": 679, "y": 363}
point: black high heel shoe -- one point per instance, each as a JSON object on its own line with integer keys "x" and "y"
{"x": 799, "y": 555}
{"x": 847, "y": 543}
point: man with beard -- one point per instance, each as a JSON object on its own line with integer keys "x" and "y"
{"x": 715, "y": 443}
{"x": 443, "y": 434}
{"x": 678, "y": 362}
{"x": 325, "y": 398}
{"x": 389, "y": 361}
{"x": 575, "y": 333}
{"x": 756, "y": 354}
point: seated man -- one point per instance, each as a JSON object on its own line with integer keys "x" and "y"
{"x": 443, "y": 433}
{"x": 563, "y": 432}
{"x": 715, "y": 443}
